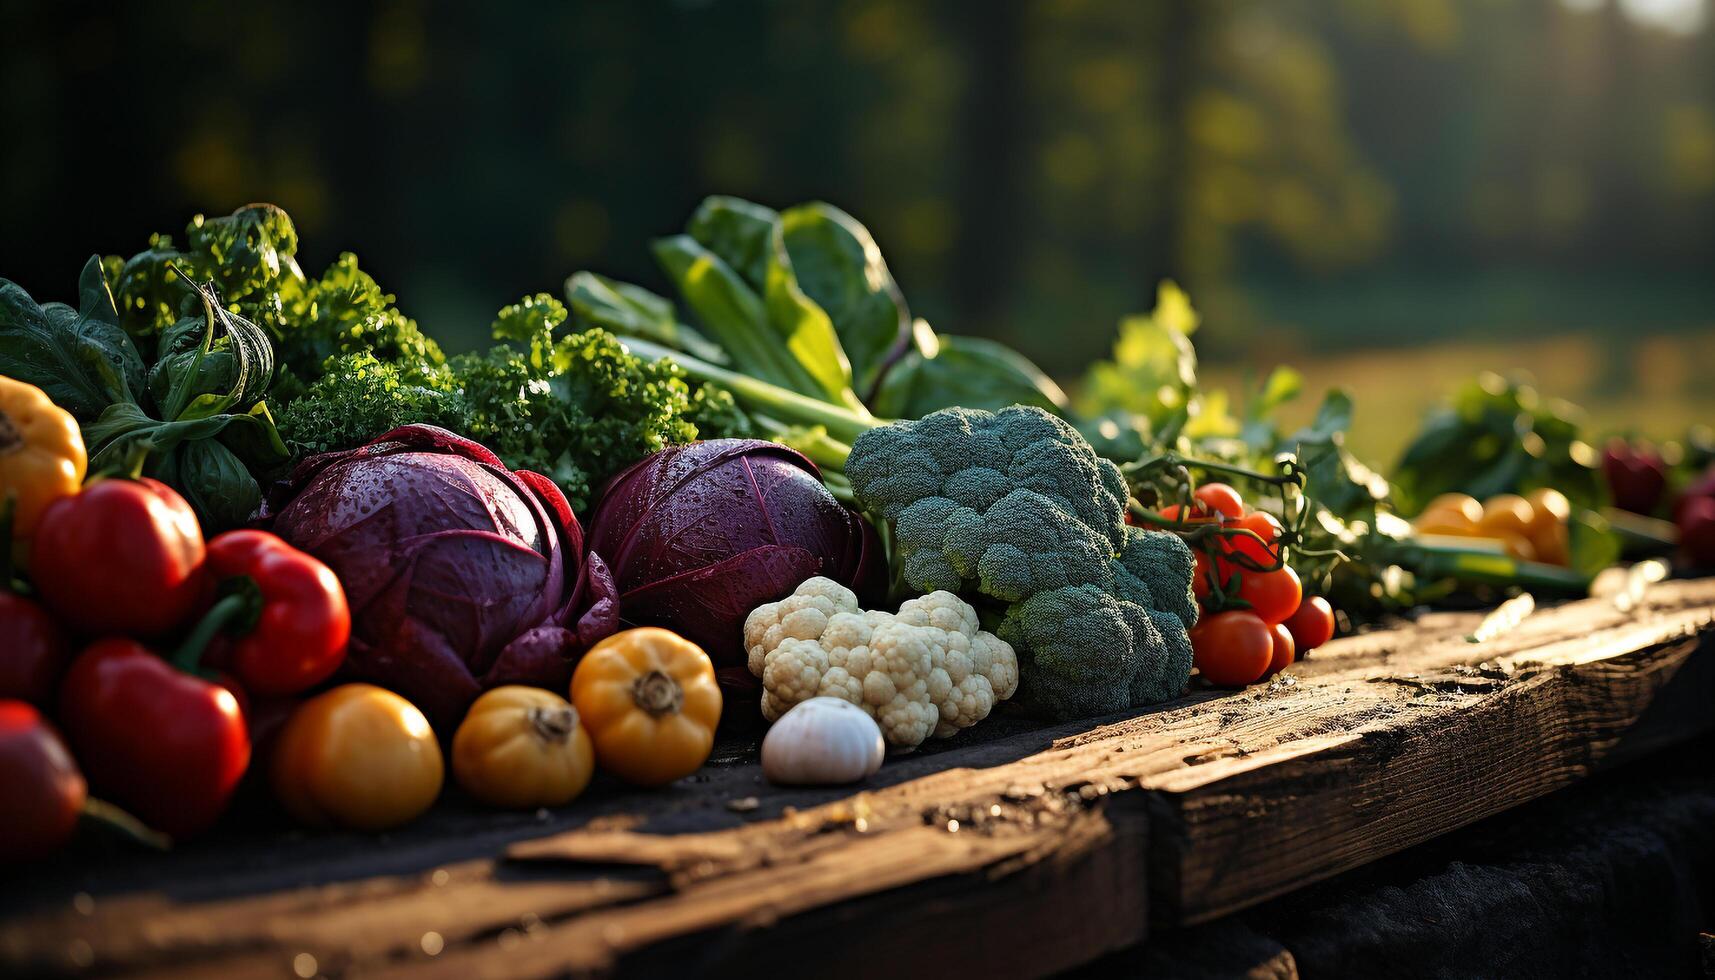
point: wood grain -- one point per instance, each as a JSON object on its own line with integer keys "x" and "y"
{"x": 1055, "y": 849}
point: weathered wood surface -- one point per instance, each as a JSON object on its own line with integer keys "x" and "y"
{"x": 1057, "y": 844}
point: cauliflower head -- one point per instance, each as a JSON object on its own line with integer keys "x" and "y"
{"x": 928, "y": 670}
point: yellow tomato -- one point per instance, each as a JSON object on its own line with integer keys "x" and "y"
{"x": 649, "y": 700}
{"x": 41, "y": 453}
{"x": 1452, "y": 509}
{"x": 522, "y": 747}
{"x": 1504, "y": 514}
{"x": 1518, "y": 546}
{"x": 357, "y": 756}
{"x": 1554, "y": 545}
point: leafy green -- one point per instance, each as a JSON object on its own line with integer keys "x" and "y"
{"x": 1498, "y": 435}
{"x": 836, "y": 264}
{"x": 359, "y": 397}
{"x": 942, "y": 371}
{"x": 737, "y": 231}
{"x": 632, "y": 311}
{"x": 577, "y": 407}
{"x": 82, "y": 359}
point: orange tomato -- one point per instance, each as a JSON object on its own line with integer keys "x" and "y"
{"x": 650, "y": 703}
{"x": 1452, "y": 510}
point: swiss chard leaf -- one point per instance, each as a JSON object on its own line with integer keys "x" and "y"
{"x": 82, "y": 359}
{"x": 632, "y": 311}
{"x": 805, "y": 327}
{"x": 838, "y": 265}
{"x": 733, "y": 314}
{"x": 737, "y": 231}
{"x": 942, "y": 371}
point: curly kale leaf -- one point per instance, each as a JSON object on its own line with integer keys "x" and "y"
{"x": 359, "y": 397}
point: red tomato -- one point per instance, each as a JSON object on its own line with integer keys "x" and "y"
{"x": 166, "y": 745}
{"x": 122, "y": 556}
{"x": 1282, "y": 657}
{"x": 1220, "y": 499}
{"x": 1199, "y": 574}
{"x": 1233, "y": 648}
{"x": 44, "y": 791}
{"x": 1312, "y": 624}
{"x": 1264, "y": 526}
{"x": 32, "y": 651}
{"x": 1195, "y": 515}
{"x": 1273, "y": 595}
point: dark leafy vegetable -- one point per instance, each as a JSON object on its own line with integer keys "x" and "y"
{"x": 80, "y": 358}
{"x": 576, "y": 407}
{"x": 698, "y": 536}
{"x": 461, "y": 574}
{"x": 1499, "y": 435}
{"x": 802, "y": 302}
{"x": 971, "y": 372}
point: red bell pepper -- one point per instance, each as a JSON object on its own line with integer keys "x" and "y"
{"x": 121, "y": 556}
{"x": 168, "y": 745}
{"x": 282, "y": 611}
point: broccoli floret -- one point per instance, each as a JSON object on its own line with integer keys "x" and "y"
{"x": 1028, "y": 505}
{"x": 1016, "y": 506}
{"x": 1162, "y": 561}
{"x": 1083, "y": 651}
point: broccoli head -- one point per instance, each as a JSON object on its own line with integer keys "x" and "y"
{"x": 1011, "y": 503}
{"x": 1015, "y": 506}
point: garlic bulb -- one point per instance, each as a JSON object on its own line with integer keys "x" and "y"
{"x": 823, "y": 741}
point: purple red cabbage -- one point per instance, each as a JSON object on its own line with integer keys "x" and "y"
{"x": 699, "y": 535}
{"x": 462, "y": 575}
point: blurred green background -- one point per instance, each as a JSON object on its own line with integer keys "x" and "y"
{"x": 1388, "y": 195}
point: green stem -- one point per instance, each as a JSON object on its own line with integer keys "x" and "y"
{"x": 118, "y": 821}
{"x": 842, "y": 424}
{"x": 229, "y": 610}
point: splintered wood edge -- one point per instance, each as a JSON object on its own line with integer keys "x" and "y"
{"x": 1375, "y": 743}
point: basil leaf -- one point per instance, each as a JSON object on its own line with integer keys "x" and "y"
{"x": 212, "y": 480}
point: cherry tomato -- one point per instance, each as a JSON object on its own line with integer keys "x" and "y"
{"x": 1283, "y": 648}
{"x": 1312, "y": 624}
{"x": 1196, "y": 514}
{"x": 1264, "y": 526}
{"x": 1232, "y": 648}
{"x": 1220, "y": 499}
{"x": 44, "y": 790}
{"x": 1273, "y": 595}
{"x": 33, "y": 652}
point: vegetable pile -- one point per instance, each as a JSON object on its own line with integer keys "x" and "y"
{"x": 259, "y": 534}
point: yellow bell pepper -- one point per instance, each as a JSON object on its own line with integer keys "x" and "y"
{"x": 41, "y": 453}
{"x": 650, "y": 702}
{"x": 522, "y": 747}
{"x": 357, "y": 756}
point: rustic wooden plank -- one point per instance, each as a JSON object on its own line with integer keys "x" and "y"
{"x": 1185, "y": 812}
